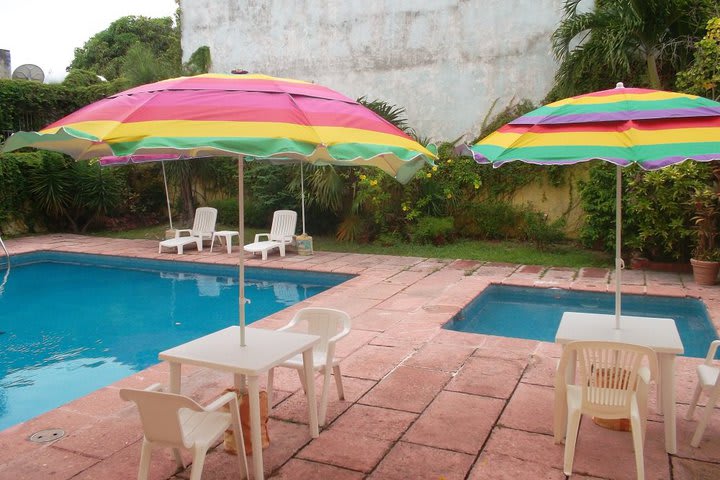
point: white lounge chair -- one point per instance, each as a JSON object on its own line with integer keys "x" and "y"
{"x": 281, "y": 234}
{"x": 202, "y": 229}
{"x": 178, "y": 422}
{"x": 330, "y": 325}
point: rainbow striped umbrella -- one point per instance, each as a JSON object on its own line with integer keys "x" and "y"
{"x": 650, "y": 128}
{"x": 243, "y": 116}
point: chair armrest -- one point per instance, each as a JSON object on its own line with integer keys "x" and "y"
{"x": 644, "y": 375}
{"x": 711, "y": 352}
{"x": 178, "y": 232}
{"x": 338, "y": 335}
{"x": 222, "y": 400}
{"x": 293, "y": 321}
{"x": 258, "y": 235}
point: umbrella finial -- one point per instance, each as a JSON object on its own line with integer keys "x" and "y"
{"x": 619, "y": 85}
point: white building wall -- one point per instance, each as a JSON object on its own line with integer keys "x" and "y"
{"x": 445, "y": 61}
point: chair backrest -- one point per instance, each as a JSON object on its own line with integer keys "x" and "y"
{"x": 159, "y": 414}
{"x": 607, "y": 373}
{"x": 325, "y": 323}
{"x": 204, "y": 223}
{"x": 283, "y": 225}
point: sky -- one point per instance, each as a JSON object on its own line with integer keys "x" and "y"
{"x": 47, "y": 32}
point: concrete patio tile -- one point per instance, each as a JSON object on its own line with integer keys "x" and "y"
{"x": 354, "y": 340}
{"x": 709, "y": 448}
{"x": 609, "y": 454}
{"x": 375, "y": 422}
{"x": 407, "y": 277}
{"x": 304, "y": 470}
{"x": 376, "y": 320}
{"x": 526, "y": 446}
{"x": 419, "y": 462}
{"x": 286, "y": 438}
{"x": 456, "y": 421}
{"x": 498, "y": 466}
{"x": 487, "y": 376}
{"x": 686, "y": 469}
{"x": 105, "y": 437}
{"x": 540, "y": 370}
{"x": 412, "y": 331}
{"x": 530, "y": 409}
{"x": 404, "y": 303}
{"x": 451, "y": 337}
{"x": 374, "y": 362}
{"x": 379, "y": 291}
{"x": 447, "y": 358}
{"x": 354, "y": 451}
{"x": 14, "y": 440}
{"x": 294, "y": 407}
{"x": 54, "y": 463}
{"x": 407, "y": 388}
{"x": 125, "y": 464}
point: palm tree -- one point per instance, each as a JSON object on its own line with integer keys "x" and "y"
{"x": 634, "y": 40}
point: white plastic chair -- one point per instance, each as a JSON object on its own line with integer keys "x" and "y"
{"x": 281, "y": 234}
{"x": 202, "y": 229}
{"x": 709, "y": 380}
{"x": 176, "y": 421}
{"x": 330, "y": 325}
{"x": 612, "y": 384}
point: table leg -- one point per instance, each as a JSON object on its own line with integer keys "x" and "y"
{"x": 255, "y": 436}
{"x": 212, "y": 242}
{"x": 560, "y": 413}
{"x": 667, "y": 385}
{"x": 175, "y": 377}
{"x": 175, "y": 369}
{"x": 312, "y": 401}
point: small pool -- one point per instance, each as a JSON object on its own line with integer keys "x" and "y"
{"x": 73, "y": 323}
{"x": 534, "y": 313}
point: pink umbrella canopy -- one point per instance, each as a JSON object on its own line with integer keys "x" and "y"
{"x": 243, "y": 116}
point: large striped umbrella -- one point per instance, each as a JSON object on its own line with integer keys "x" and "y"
{"x": 244, "y": 116}
{"x": 623, "y": 126}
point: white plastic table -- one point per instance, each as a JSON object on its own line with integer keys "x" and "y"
{"x": 224, "y": 234}
{"x": 660, "y": 334}
{"x": 264, "y": 350}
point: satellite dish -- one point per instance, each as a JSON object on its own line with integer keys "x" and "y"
{"x": 29, "y": 72}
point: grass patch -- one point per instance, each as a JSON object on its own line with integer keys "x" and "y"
{"x": 562, "y": 255}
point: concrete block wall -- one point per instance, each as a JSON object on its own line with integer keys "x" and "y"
{"x": 445, "y": 61}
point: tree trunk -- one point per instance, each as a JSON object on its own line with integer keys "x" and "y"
{"x": 652, "y": 71}
{"x": 186, "y": 193}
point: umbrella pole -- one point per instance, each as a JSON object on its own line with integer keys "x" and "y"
{"x": 618, "y": 242}
{"x": 241, "y": 262}
{"x": 302, "y": 195}
{"x": 167, "y": 195}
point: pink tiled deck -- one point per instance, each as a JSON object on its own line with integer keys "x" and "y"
{"x": 421, "y": 402}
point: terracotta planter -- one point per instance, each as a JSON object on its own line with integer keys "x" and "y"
{"x": 705, "y": 272}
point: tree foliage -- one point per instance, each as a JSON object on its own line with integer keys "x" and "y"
{"x": 105, "y": 52}
{"x": 642, "y": 42}
{"x": 703, "y": 75}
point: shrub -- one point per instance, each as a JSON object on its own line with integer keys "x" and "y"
{"x": 488, "y": 220}
{"x": 537, "y": 229}
{"x": 227, "y": 210}
{"x": 435, "y": 230}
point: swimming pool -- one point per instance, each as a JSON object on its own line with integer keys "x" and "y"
{"x": 73, "y": 323}
{"x": 534, "y": 313}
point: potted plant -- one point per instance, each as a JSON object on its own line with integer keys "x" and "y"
{"x": 705, "y": 259}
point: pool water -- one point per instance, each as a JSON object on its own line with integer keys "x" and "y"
{"x": 73, "y": 323}
{"x": 535, "y": 313}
